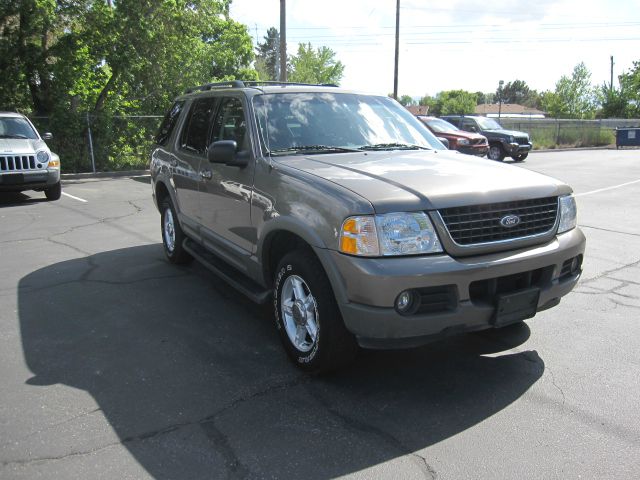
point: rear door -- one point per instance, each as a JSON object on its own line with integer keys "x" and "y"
{"x": 191, "y": 152}
{"x": 226, "y": 191}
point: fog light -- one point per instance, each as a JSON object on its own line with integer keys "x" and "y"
{"x": 406, "y": 302}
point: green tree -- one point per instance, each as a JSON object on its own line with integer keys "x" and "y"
{"x": 574, "y": 97}
{"x": 485, "y": 97}
{"x": 268, "y": 56}
{"x": 454, "y": 102}
{"x": 64, "y": 58}
{"x": 319, "y": 65}
{"x": 406, "y": 100}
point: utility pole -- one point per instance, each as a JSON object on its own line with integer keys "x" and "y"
{"x": 395, "y": 70}
{"x": 500, "y": 84}
{"x": 283, "y": 41}
{"x": 611, "y": 84}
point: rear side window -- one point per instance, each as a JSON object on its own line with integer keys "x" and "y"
{"x": 169, "y": 123}
{"x": 196, "y": 131}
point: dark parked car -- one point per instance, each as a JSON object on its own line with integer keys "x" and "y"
{"x": 464, "y": 142}
{"x": 502, "y": 142}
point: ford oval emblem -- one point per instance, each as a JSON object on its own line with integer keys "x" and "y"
{"x": 509, "y": 221}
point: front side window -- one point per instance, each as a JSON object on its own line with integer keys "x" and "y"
{"x": 169, "y": 123}
{"x": 16, "y": 127}
{"x": 230, "y": 123}
{"x": 196, "y": 130}
{"x": 319, "y": 121}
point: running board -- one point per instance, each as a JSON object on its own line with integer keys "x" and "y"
{"x": 226, "y": 272}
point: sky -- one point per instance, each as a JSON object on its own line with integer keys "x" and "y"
{"x": 458, "y": 44}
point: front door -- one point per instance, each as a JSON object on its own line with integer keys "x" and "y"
{"x": 225, "y": 199}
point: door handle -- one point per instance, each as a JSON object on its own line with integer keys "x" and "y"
{"x": 206, "y": 174}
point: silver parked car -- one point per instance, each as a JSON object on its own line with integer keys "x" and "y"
{"x": 26, "y": 163}
{"x": 343, "y": 210}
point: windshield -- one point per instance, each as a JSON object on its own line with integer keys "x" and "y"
{"x": 488, "y": 124}
{"x": 328, "y": 122}
{"x": 16, "y": 127}
{"x": 440, "y": 126}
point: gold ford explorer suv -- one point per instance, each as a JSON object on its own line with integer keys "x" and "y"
{"x": 343, "y": 210}
{"x": 26, "y": 163}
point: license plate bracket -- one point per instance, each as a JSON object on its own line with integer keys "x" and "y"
{"x": 12, "y": 178}
{"x": 515, "y": 307}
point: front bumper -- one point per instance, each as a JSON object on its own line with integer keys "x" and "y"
{"x": 29, "y": 180}
{"x": 366, "y": 288}
{"x": 518, "y": 148}
{"x": 479, "y": 150}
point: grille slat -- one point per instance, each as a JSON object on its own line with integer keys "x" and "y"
{"x": 477, "y": 224}
{"x": 17, "y": 163}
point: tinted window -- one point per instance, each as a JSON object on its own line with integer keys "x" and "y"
{"x": 196, "y": 132}
{"x": 169, "y": 123}
{"x": 230, "y": 123}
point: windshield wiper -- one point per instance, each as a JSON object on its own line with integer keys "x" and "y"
{"x": 14, "y": 136}
{"x": 393, "y": 146}
{"x": 314, "y": 148}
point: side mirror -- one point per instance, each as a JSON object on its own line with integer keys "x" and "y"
{"x": 444, "y": 141}
{"x": 47, "y": 136}
{"x": 225, "y": 151}
{"x": 473, "y": 128}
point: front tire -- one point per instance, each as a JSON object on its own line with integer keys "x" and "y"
{"x": 172, "y": 235}
{"x": 53, "y": 192}
{"x": 496, "y": 152}
{"x": 307, "y": 315}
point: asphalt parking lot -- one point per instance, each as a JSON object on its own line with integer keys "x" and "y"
{"x": 115, "y": 364}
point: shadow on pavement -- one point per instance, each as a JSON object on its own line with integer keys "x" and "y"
{"x": 192, "y": 379}
{"x": 13, "y": 199}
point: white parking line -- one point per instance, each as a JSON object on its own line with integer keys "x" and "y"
{"x": 608, "y": 188}
{"x": 75, "y": 198}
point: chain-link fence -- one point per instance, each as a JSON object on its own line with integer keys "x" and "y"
{"x": 556, "y": 133}
{"x": 88, "y": 143}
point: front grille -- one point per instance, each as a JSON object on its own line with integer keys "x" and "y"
{"x": 478, "y": 224}
{"x": 522, "y": 140}
{"x": 478, "y": 141}
{"x": 18, "y": 163}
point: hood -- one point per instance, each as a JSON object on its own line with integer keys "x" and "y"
{"x": 507, "y": 133}
{"x": 426, "y": 180}
{"x": 463, "y": 134}
{"x": 21, "y": 145}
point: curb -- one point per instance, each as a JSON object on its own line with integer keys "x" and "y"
{"x": 90, "y": 175}
{"x": 577, "y": 149}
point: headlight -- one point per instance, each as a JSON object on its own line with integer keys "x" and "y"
{"x": 568, "y": 213}
{"x": 389, "y": 234}
{"x": 463, "y": 141}
{"x": 43, "y": 156}
{"x": 511, "y": 139}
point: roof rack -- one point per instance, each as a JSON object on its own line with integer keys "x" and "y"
{"x": 210, "y": 86}
{"x": 251, "y": 83}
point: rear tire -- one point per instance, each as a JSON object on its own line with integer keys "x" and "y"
{"x": 172, "y": 235}
{"x": 496, "y": 152}
{"x": 54, "y": 192}
{"x": 307, "y": 315}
